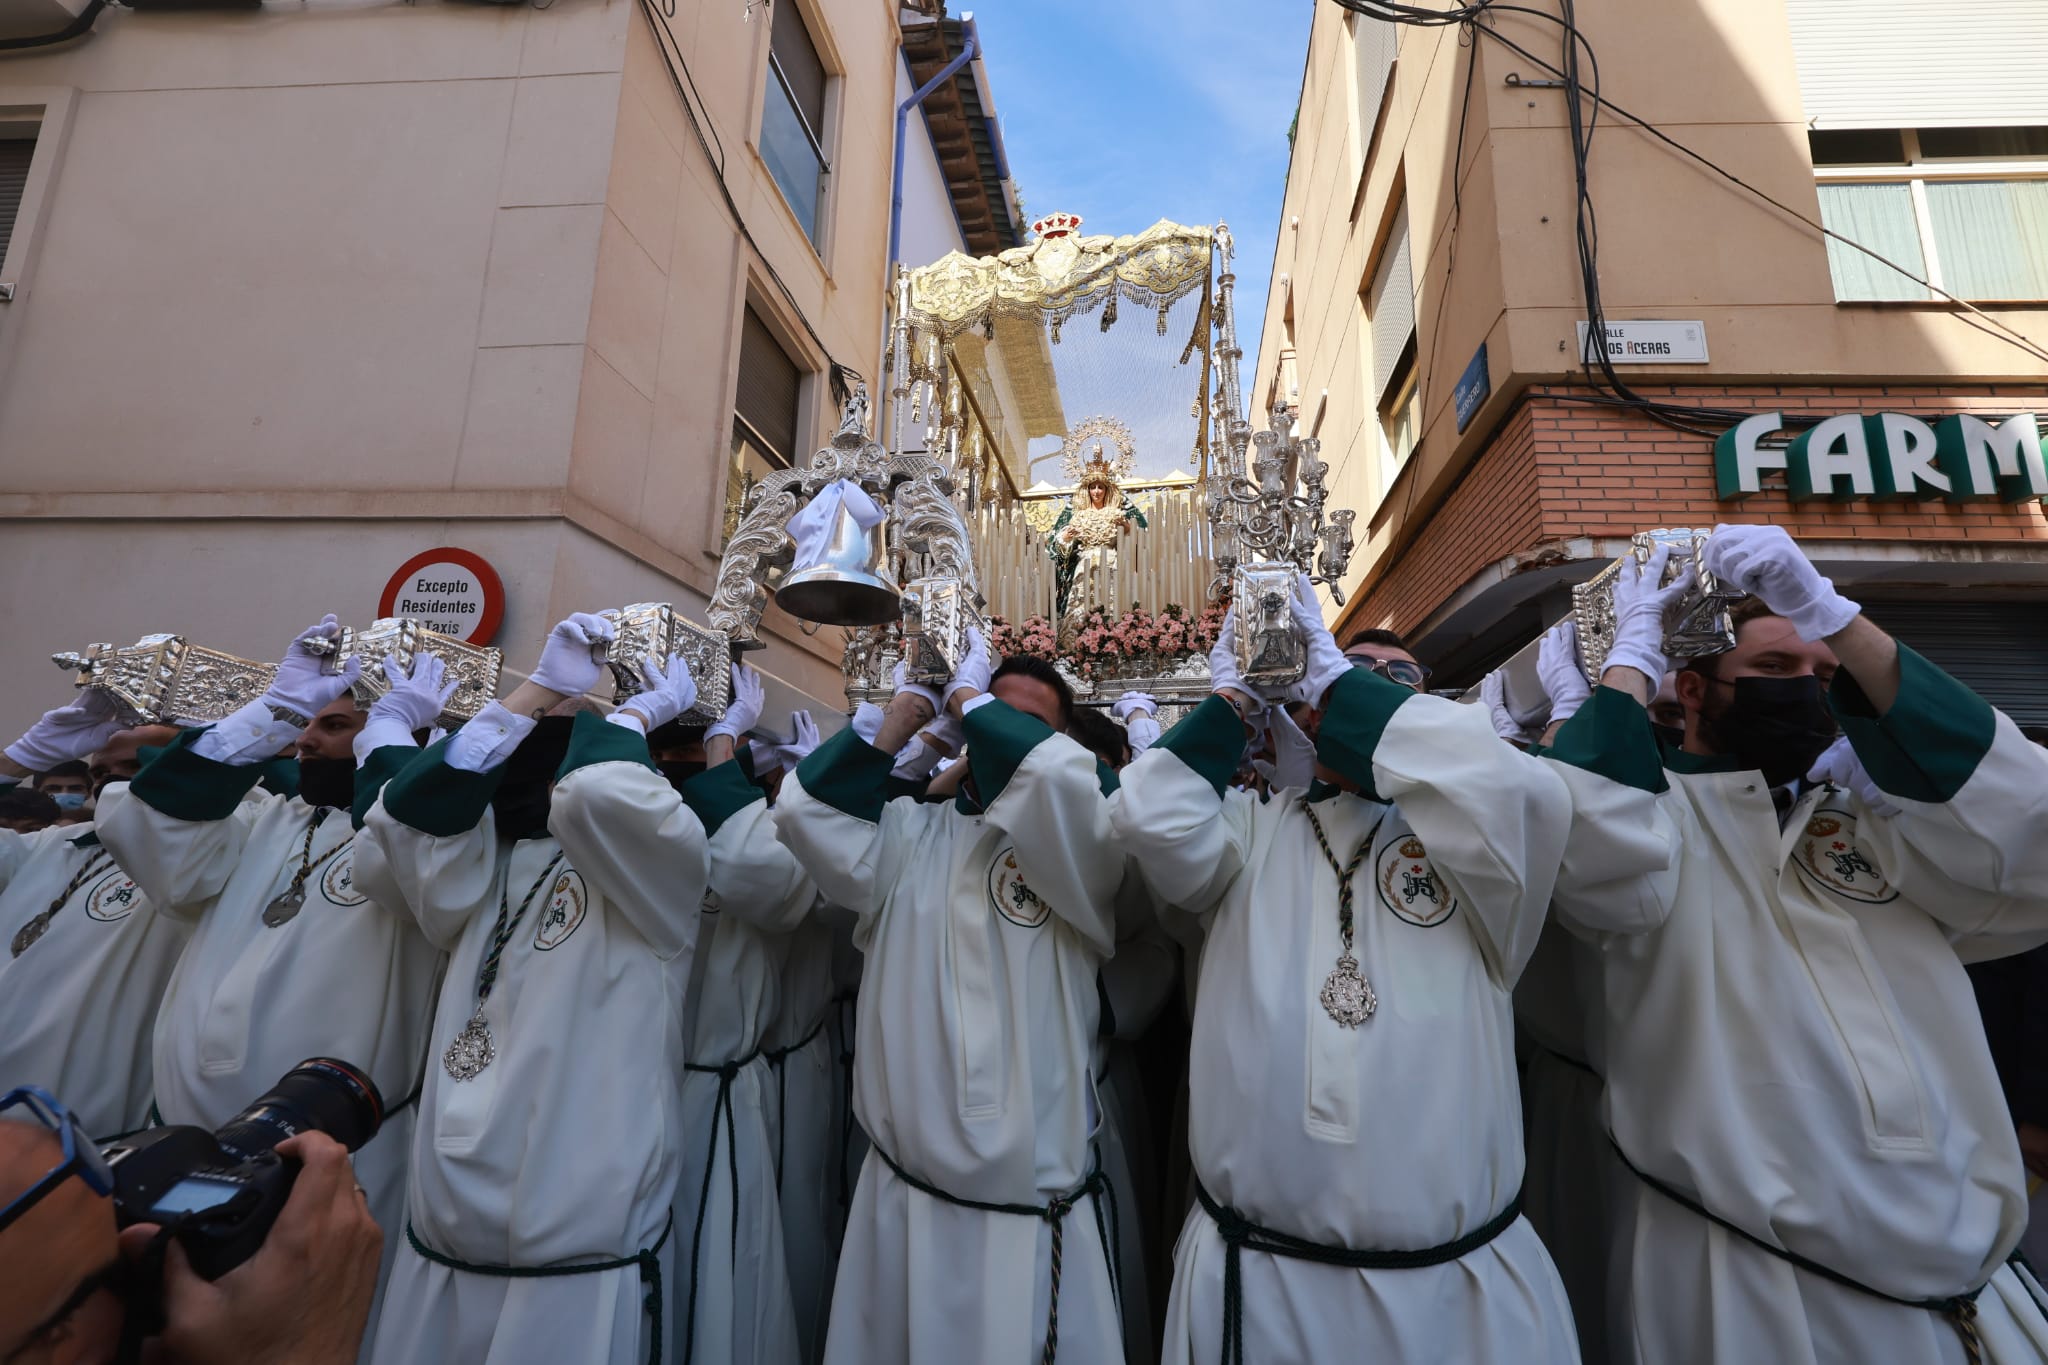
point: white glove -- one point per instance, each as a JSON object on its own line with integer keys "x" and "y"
{"x": 1131, "y": 702}
{"x": 920, "y": 756}
{"x": 301, "y": 685}
{"x": 666, "y": 693}
{"x": 867, "y": 721}
{"x": 572, "y": 659}
{"x": 1764, "y": 562}
{"x": 1640, "y": 606}
{"x": 1294, "y": 755}
{"x": 803, "y": 739}
{"x": 743, "y": 712}
{"x": 1493, "y": 695}
{"x": 1326, "y": 662}
{"x": 414, "y": 702}
{"x": 903, "y": 684}
{"x": 1142, "y": 731}
{"x": 1557, "y": 664}
{"x": 67, "y": 733}
{"x": 1223, "y": 664}
{"x": 1839, "y": 766}
{"x": 972, "y": 672}
{"x": 416, "y": 699}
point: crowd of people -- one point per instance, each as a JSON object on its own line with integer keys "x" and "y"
{"x": 1340, "y": 1021}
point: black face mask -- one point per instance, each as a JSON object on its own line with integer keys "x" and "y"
{"x": 328, "y": 782}
{"x": 1777, "y": 725}
{"x": 520, "y": 810}
{"x": 1670, "y": 736}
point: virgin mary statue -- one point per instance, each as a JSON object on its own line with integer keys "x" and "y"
{"x": 1085, "y": 540}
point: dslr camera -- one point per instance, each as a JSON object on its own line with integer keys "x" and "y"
{"x": 218, "y": 1193}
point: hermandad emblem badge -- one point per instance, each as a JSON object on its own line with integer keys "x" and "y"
{"x": 1347, "y": 995}
{"x": 471, "y": 1051}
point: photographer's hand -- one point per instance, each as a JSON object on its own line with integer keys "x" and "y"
{"x": 303, "y": 1298}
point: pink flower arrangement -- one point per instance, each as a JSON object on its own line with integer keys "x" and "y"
{"x": 1035, "y": 636}
{"x": 1129, "y": 644}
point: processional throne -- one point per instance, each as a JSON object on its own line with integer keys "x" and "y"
{"x": 1119, "y": 571}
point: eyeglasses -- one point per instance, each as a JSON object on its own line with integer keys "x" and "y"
{"x": 1406, "y": 672}
{"x": 81, "y": 1155}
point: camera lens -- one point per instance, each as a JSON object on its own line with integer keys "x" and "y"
{"x": 320, "y": 1094}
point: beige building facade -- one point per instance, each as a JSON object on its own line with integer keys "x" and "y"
{"x": 1425, "y": 317}
{"x": 294, "y": 294}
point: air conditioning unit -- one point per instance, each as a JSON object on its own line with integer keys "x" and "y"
{"x": 34, "y": 18}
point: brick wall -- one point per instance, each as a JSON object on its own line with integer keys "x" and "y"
{"x": 1559, "y": 469}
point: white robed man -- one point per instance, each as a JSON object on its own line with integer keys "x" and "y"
{"x": 806, "y": 1110}
{"x": 1354, "y": 1118}
{"x": 87, "y": 956}
{"x": 977, "y": 1231}
{"x": 732, "y": 1292}
{"x": 564, "y": 875}
{"x": 290, "y": 957}
{"x": 1824, "y": 1169}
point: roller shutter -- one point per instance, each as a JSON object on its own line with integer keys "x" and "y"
{"x": 2000, "y": 649}
{"x": 1911, "y": 64}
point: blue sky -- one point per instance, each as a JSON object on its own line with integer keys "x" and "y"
{"x": 1126, "y": 113}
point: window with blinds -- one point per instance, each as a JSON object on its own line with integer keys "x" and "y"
{"x": 1391, "y": 306}
{"x": 1965, "y": 209}
{"x": 1374, "y": 45}
{"x": 793, "y": 116}
{"x": 766, "y": 397}
{"x": 764, "y": 415}
{"x": 15, "y": 155}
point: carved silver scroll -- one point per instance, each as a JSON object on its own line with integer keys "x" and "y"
{"x": 473, "y": 668}
{"x": 1698, "y": 625}
{"x": 938, "y": 611}
{"x": 162, "y": 679}
{"x": 654, "y": 629}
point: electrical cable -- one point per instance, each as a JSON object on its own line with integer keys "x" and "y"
{"x": 1475, "y": 15}
{"x": 2010, "y": 334}
{"x": 841, "y": 377}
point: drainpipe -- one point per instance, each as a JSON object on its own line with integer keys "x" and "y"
{"x": 968, "y": 49}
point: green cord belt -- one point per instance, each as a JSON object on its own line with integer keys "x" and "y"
{"x": 1959, "y": 1309}
{"x": 776, "y": 1057}
{"x": 1241, "y": 1234}
{"x": 1055, "y": 1212}
{"x": 727, "y": 1073}
{"x": 648, "y": 1262}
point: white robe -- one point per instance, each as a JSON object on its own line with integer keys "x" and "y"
{"x": 565, "y": 1149}
{"x": 78, "y": 1006}
{"x": 804, "y": 1123}
{"x": 349, "y": 976}
{"x": 1136, "y": 984}
{"x": 1790, "y": 1037}
{"x": 982, "y": 934}
{"x": 1568, "y": 1193}
{"x": 742, "y": 1312}
{"x": 1405, "y": 1132}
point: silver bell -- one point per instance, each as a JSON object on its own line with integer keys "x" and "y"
{"x": 848, "y": 585}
